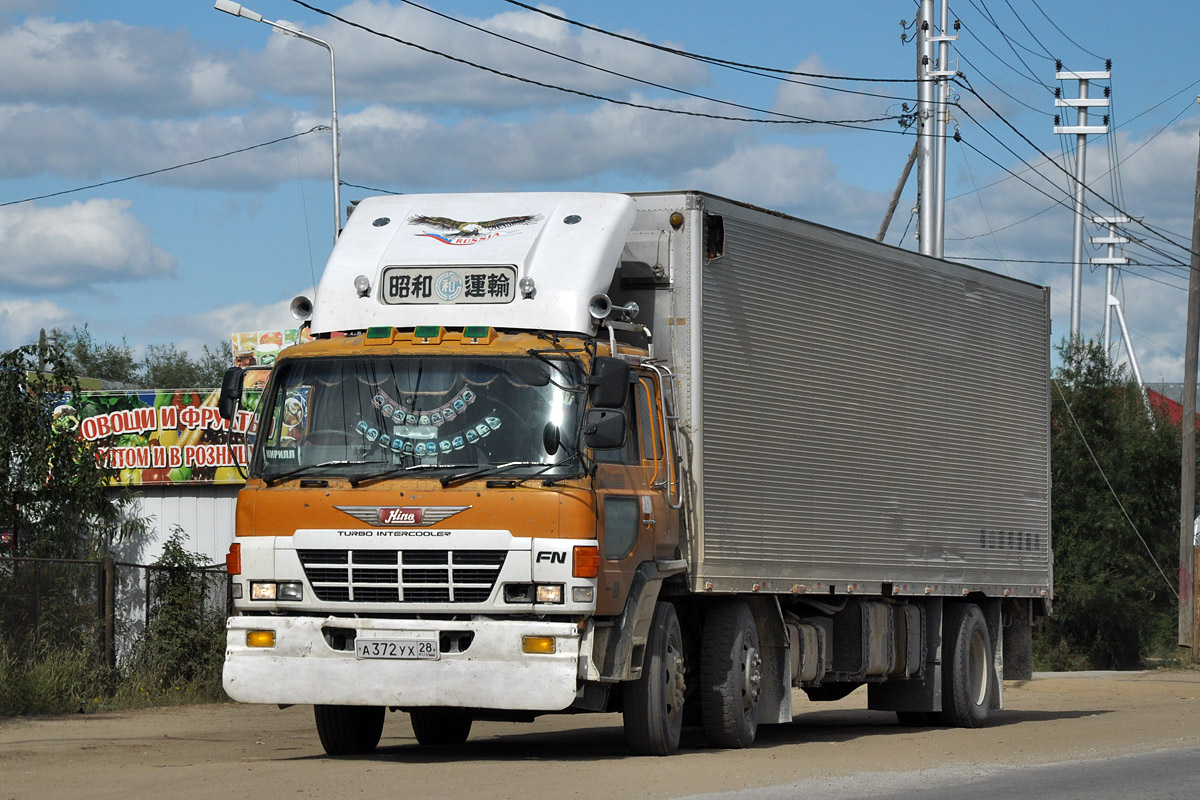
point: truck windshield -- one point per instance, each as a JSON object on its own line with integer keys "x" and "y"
{"x": 355, "y": 417}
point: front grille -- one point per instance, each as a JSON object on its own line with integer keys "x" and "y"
{"x": 402, "y": 576}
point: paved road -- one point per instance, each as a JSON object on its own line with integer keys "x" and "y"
{"x": 224, "y": 751}
{"x": 1161, "y": 775}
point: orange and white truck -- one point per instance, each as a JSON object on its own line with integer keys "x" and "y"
{"x": 663, "y": 453}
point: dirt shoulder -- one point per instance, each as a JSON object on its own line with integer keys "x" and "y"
{"x": 236, "y": 750}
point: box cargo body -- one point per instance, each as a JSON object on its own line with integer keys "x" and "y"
{"x": 858, "y": 416}
{"x": 493, "y": 487}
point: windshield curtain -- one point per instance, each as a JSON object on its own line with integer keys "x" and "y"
{"x": 358, "y": 415}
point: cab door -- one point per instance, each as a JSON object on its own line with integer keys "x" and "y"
{"x": 635, "y": 521}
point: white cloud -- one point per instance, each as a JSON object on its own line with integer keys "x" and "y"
{"x": 76, "y": 246}
{"x": 370, "y": 66}
{"x": 1157, "y": 184}
{"x": 800, "y": 97}
{"x": 21, "y": 319}
{"x": 85, "y": 145}
{"x": 191, "y": 332}
{"x": 112, "y": 67}
{"x": 801, "y": 181}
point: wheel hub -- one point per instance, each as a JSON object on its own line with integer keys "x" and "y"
{"x": 751, "y": 678}
{"x": 675, "y": 681}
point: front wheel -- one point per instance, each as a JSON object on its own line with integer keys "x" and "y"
{"x": 653, "y": 704}
{"x": 440, "y": 726}
{"x": 730, "y": 676}
{"x": 349, "y": 730}
{"x": 966, "y": 667}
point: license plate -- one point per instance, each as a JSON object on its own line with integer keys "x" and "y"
{"x": 424, "y": 648}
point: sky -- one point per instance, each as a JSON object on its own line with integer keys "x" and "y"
{"x": 98, "y": 92}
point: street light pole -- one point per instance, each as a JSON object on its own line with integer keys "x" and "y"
{"x": 238, "y": 10}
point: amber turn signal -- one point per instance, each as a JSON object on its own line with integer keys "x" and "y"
{"x": 233, "y": 559}
{"x": 586, "y": 561}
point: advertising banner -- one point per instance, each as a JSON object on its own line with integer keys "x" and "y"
{"x": 259, "y": 348}
{"x": 162, "y": 437}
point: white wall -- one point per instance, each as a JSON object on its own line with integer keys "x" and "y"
{"x": 205, "y": 513}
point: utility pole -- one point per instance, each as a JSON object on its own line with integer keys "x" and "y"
{"x": 942, "y": 73}
{"x": 926, "y": 215}
{"x": 891, "y": 209}
{"x": 1111, "y": 303}
{"x": 1188, "y": 546}
{"x": 1081, "y": 131}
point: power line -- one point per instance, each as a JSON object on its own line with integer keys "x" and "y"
{"x": 966, "y": 85}
{"x": 166, "y": 169}
{"x": 855, "y": 124}
{"x": 1115, "y": 127}
{"x": 1057, "y": 201}
{"x": 698, "y": 57}
{"x": 1032, "y": 35}
{"x": 1064, "y": 33}
{"x": 1000, "y": 89}
{"x": 607, "y": 71}
{"x": 1032, "y": 76}
{"x": 369, "y": 188}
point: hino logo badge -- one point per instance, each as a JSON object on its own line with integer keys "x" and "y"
{"x": 392, "y": 516}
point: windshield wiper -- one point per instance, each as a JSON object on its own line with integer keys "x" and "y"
{"x": 392, "y": 472}
{"x": 292, "y": 473}
{"x": 490, "y": 470}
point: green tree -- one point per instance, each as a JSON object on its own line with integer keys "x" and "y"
{"x": 1115, "y": 469}
{"x": 185, "y": 641}
{"x": 101, "y": 360}
{"x": 54, "y": 498}
{"x": 164, "y": 366}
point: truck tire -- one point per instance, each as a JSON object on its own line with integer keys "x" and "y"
{"x": 730, "y": 676}
{"x": 966, "y": 667}
{"x": 440, "y": 726}
{"x": 653, "y": 704}
{"x": 349, "y": 730}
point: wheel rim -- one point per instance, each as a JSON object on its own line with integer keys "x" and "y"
{"x": 977, "y": 675}
{"x": 674, "y": 683}
{"x": 751, "y": 676}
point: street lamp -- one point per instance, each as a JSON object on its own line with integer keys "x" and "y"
{"x": 238, "y": 10}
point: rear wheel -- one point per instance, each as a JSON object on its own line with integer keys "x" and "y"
{"x": 730, "y": 676}
{"x": 440, "y": 726}
{"x": 966, "y": 667}
{"x": 349, "y": 730}
{"x": 653, "y": 704}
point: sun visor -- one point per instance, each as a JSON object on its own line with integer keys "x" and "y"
{"x": 519, "y": 260}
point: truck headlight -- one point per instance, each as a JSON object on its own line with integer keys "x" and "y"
{"x": 549, "y": 593}
{"x": 272, "y": 590}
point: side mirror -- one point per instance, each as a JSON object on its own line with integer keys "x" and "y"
{"x": 231, "y": 392}
{"x": 604, "y": 429}
{"x": 608, "y": 385}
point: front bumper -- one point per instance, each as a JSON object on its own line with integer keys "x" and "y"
{"x": 491, "y": 672}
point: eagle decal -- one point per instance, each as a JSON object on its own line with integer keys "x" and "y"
{"x": 452, "y": 231}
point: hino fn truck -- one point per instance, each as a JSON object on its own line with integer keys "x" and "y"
{"x": 665, "y": 454}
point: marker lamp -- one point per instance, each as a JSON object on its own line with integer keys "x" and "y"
{"x": 537, "y": 644}
{"x": 260, "y": 638}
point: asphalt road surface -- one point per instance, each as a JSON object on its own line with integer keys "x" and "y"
{"x": 1106, "y": 735}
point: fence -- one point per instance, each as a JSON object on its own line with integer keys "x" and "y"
{"x": 99, "y": 606}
